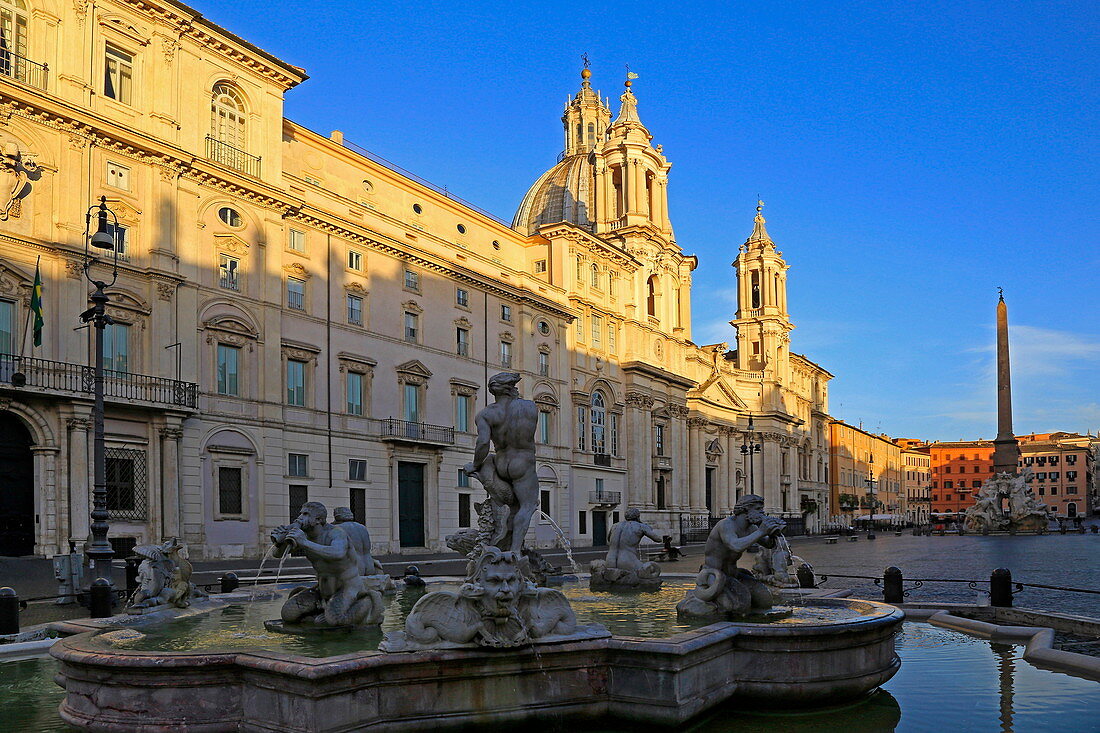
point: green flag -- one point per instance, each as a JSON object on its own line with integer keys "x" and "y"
{"x": 36, "y": 303}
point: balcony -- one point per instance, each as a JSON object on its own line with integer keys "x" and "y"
{"x": 404, "y": 431}
{"x": 601, "y": 459}
{"x": 662, "y": 463}
{"x": 605, "y": 498}
{"x": 22, "y": 69}
{"x": 785, "y": 479}
{"x": 61, "y": 378}
{"x": 232, "y": 157}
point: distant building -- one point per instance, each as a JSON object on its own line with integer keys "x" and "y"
{"x": 1063, "y": 471}
{"x": 864, "y": 473}
{"x": 916, "y": 480}
{"x": 958, "y": 470}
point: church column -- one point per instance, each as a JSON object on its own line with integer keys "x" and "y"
{"x": 660, "y": 203}
{"x": 696, "y": 463}
{"x": 639, "y": 466}
{"x": 599, "y": 194}
{"x": 79, "y": 484}
{"x": 169, "y": 481}
{"x": 729, "y": 493}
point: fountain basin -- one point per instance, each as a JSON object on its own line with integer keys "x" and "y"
{"x": 658, "y": 681}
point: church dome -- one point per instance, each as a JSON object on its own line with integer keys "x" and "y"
{"x": 565, "y": 193}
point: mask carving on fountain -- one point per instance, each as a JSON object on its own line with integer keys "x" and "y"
{"x": 342, "y": 596}
{"x": 623, "y": 569}
{"x": 164, "y": 578}
{"x": 722, "y": 589}
{"x": 498, "y": 605}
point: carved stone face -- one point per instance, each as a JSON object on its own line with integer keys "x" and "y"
{"x": 501, "y": 584}
{"x": 309, "y": 518}
{"x": 755, "y": 516}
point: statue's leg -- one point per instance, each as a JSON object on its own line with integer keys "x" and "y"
{"x": 759, "y": 594}
{"x": 526, "y": 490}
{"x": 304, "y": 603}
{"x": 354, "y": 607}
{"x": 735, "y": 599}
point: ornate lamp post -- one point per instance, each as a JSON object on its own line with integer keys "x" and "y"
{"x": 871, "y": 492}
{"x": 99, "y": 550}
{"x": 748, "y": 448}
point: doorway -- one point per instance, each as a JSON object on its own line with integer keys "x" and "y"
{"x": 599, "y": 529}
{"x": 16, "y": 487}
{"x": 710, "y": 491}
{"x": 410, "y": 504}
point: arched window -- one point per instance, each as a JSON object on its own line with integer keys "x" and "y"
{"x": 591, "y": 135}
{"x": 651, "y": 296}
{"x": 227, "y": 116}
{"x": 595, "y": 275}
{"x": 13, "y": 38}
{"x": 598, "y": 417}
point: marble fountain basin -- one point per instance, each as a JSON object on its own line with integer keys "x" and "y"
{"x": 658, "y": 673}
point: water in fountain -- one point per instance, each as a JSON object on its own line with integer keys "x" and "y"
{"x": 782, "y": 544}
{"x": 563, "y": 541}
{"x": 258, "y": 595}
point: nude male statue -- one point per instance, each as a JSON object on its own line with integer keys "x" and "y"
{"x": 341, "y": 596}
{"x": 624, "y": 540}
{"x": 508, "y": 475}
{"x": 359, "y": 537}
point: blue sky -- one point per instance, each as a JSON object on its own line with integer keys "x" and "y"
{"x": 913, "y": 156}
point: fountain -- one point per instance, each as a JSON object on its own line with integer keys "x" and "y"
{"x": 1006, "y": 503}
{"x": 490, "y": 647}
{"x": 622, "y": 569}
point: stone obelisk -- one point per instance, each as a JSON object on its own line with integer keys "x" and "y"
{"x": 1006, "y": 451}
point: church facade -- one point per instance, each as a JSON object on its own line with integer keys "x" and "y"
{"x": 296, "y": 320}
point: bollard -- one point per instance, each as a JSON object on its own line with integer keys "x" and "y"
{"x": 230, "y": 582}
{"x": 891, "y": 585}
{"x": 805, "y": 576}
{"x": 100, "y": 599}
{"x": 1000, "y": 588}
{"x": 9, "y": 611}
{"x": 132, "y": 564}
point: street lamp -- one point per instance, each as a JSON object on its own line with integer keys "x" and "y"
{"x": 99, "y": 550}
{"x": 871, "y": 492}
{"x": 748, "y": 448}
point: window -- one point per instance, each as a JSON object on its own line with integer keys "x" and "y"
{"x": 355, "y": 393}
{"x": 496, "y": 244}
{"x": 948, "y": 484}
{"x": 227, "y": 121}
{"x": 118, "y": 176}
{"x": 412, "y": 403}
{"x": 1071, "y": 489}
{"x": 461, "y": 228}
{"x": 947, "y": 469}
{"x": 464, "y": 510}
{"x": 597, "y": 328}
{"x": 580, "y": 328}
{"x": 412, "y": 326}
{"x": 296, "y": 240}
{"x": 1072, "y": 459}
{"x": 544, "y": 328}
{"x": 1071, "y": 475}
{"x": 296, "y": 383}
{"x": 230, "y": 493}
{"x": 580, "y": 271}
{"x": 462, "y": 342}
{"x": 295, "y": 293}
{"x": 1042, "y": 476}
{"x": 540, "y": 266}
{"x": 544, "y": 504}
{"x": 355, "y": 309}
{"x": 463, "y": 479}
{"x": 462, "y": 297}
{"x": 228, "y": 269}
{"x": 612, "y": 327}
{"x": 412, "y": 280}
{"x": 358, "y": 499}
{"x": 599, "y": 421}
{"x": 7, "y": 327}
{"x": 13, "y": 26}
{"x": 462, "y": 412}
{"x": 594, "y": 276}
{"x": 1054, "y": 491}
{"x": 544, "y": 428}
{"x": 544, "y": 364}
{"x": 418, "y": 209}
{"x": 651, "y": 296}
{"x": 357, "y": 469}
{"x": 297, "y": 464}
{"x": 582, "y": 428}
{"x": 118, "y": 233}
{"x": 614, "y": 424}
{"x": 659, "y": 438}
{"x": 116, "y": 347}
{"x": 118, "y": 82}
{"x": 506, "y": 313}
{"x": 228, "y": 371}
{"x": 298, "y": 495}
{"x": 1053, "y": 475}
{"x": 355, "y": 260}
{"x": 976, "y": 484}
{"x": 582, "y": 522}
{"x": 505, "y": 354}
{"x": 126, "y": 474}
{"x": 1053, "y": 460}
{"x": 230, "y": 216}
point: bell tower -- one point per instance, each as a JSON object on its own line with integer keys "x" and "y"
{"x": 762, "y": 321}
{"x": 586, "y": 118}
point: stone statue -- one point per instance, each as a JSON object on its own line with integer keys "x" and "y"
{"x": 359, "y": 537}
{"x": 164, "y": 578}
{"x": 777, "y": 566}
{"x": 509, "y": 474}
{"x": 623, "y": 569}
{"x": 1007, "y": 503}
{"x": 342, "y": 596}
{"x": 495, "y": 607}
{"x": 722, "y": 589}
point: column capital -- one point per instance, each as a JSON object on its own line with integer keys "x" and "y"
{"x": 697, "y": 423}
{"x": 170, "y": 433}
{"x": 79, "y": 423}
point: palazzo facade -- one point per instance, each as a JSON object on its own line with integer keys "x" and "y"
{"x": 295, "y": 319}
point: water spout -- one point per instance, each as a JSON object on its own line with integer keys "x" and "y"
{"x": 563, "y": 541}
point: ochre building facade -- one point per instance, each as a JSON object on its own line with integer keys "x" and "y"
{"x": 295, "y": 319}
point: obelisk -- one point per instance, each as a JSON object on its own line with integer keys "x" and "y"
{"x": 1006, "y": 451}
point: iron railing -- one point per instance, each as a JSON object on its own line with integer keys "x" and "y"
{"x": 601, "y": 459}
{"x": 416, "y": 432}
{"x": 22, "y": 69}
{"x": 605, "y": 497}
{"x": 61, "y": 376}
{"x": 232, "y": 157}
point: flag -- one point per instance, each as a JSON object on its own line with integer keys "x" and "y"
{"x": 36, "y": 303}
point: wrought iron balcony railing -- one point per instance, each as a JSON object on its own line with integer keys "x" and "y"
{"x": 46, "y": 377}
{"x": 232, "y": 157}
{"x": 416, "y": 432}
{"x": 608, "y": 498}
{"x": 22, "y": 69}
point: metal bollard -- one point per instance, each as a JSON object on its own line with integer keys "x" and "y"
{"x": 230, "y": 582}
{"x": 892, "y": 591}
{"x": 101, "y": 598}
{"x": 805, "y": 576}
{"x": 1000, "y": 588}
{"x": 9, "y": 611}
{"x": 132, "y": 564}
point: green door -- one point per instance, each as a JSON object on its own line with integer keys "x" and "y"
{"x": 599, "y": 529}
{"x": 410, "y": 503}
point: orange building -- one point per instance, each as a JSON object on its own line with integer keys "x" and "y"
{"x": 1062, "y": 471}
{"x": 958, "y": 471}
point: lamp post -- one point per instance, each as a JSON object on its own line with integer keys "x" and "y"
{"x": 871, "y": 492}
{"x": 99, "y": 550}
{"x": 748, "y": 448}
